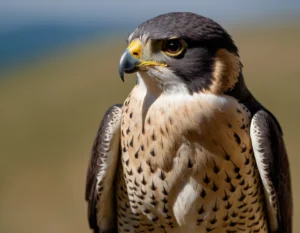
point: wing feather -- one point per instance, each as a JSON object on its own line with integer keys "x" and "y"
{"x": 273, "y": 165}
{"x": 100, "y": 190}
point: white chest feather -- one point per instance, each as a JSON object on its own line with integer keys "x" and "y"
{"x": 187, "y": 164}
{"x": 184, "y": 204}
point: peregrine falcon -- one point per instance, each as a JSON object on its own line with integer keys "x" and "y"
{"x": 191, "y": 149}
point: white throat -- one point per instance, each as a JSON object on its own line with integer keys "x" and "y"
{"x": 160, "y": 81}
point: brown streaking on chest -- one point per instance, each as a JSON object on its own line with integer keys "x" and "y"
{"x": 187, "y": 160}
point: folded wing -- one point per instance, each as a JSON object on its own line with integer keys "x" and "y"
{"x": 100, "y": 185}
{"x": 272, "y": 162}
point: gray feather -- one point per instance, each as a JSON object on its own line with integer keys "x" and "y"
{"x": 99, "y": 169}
{"x": 273, "y": 165}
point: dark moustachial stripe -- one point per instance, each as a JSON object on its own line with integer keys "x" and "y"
{"x": 204, "y": 37}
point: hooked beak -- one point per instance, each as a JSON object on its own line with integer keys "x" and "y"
{"x": 130, "y": 60}
{"x": 128, "y": 64}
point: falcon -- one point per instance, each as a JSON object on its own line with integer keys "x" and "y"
{"x": 191, "y": 149}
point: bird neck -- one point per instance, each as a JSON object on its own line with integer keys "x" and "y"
{"x": 149, "y": 85}
{"x": 240, "y": 90}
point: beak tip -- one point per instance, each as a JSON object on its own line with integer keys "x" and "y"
{"x": 128, "y": 64}
{"x": 121, "y": 74}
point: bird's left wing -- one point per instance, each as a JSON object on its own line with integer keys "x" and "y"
{"x": 100, "y": 189}
{"x": 272, "y": 162}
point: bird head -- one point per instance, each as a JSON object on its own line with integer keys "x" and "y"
{"x": 182, "y": 52}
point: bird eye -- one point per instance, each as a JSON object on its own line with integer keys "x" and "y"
{"x": 173, "y": 47}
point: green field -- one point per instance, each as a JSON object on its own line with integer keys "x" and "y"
{"x": 50, "y": 111}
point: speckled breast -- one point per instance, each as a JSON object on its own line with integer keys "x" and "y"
{"x": 187, "y": 164}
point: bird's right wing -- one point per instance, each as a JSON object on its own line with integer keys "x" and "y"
{"x": 100, "y": 185}
{"x": 273, "y": 165}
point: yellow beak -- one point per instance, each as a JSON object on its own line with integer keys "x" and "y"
{"x": 131, "y": 62}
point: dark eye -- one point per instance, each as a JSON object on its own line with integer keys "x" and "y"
{"x": 173, "y": 47}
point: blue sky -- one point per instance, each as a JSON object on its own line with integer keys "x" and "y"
{"x": 30, "y": 11}
{"x": 37, "y": 17}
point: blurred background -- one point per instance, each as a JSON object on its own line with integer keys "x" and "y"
{"x": 59, "y": 74}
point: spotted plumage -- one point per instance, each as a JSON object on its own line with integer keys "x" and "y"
{"x": 190, "y": 149}
{"x": 196, "y": 190}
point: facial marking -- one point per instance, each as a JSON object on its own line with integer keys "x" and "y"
{"x": 225, "y": 72}
{"x": 207, "y": 61}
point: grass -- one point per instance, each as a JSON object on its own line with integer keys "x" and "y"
{"x": 50, "y": 111}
